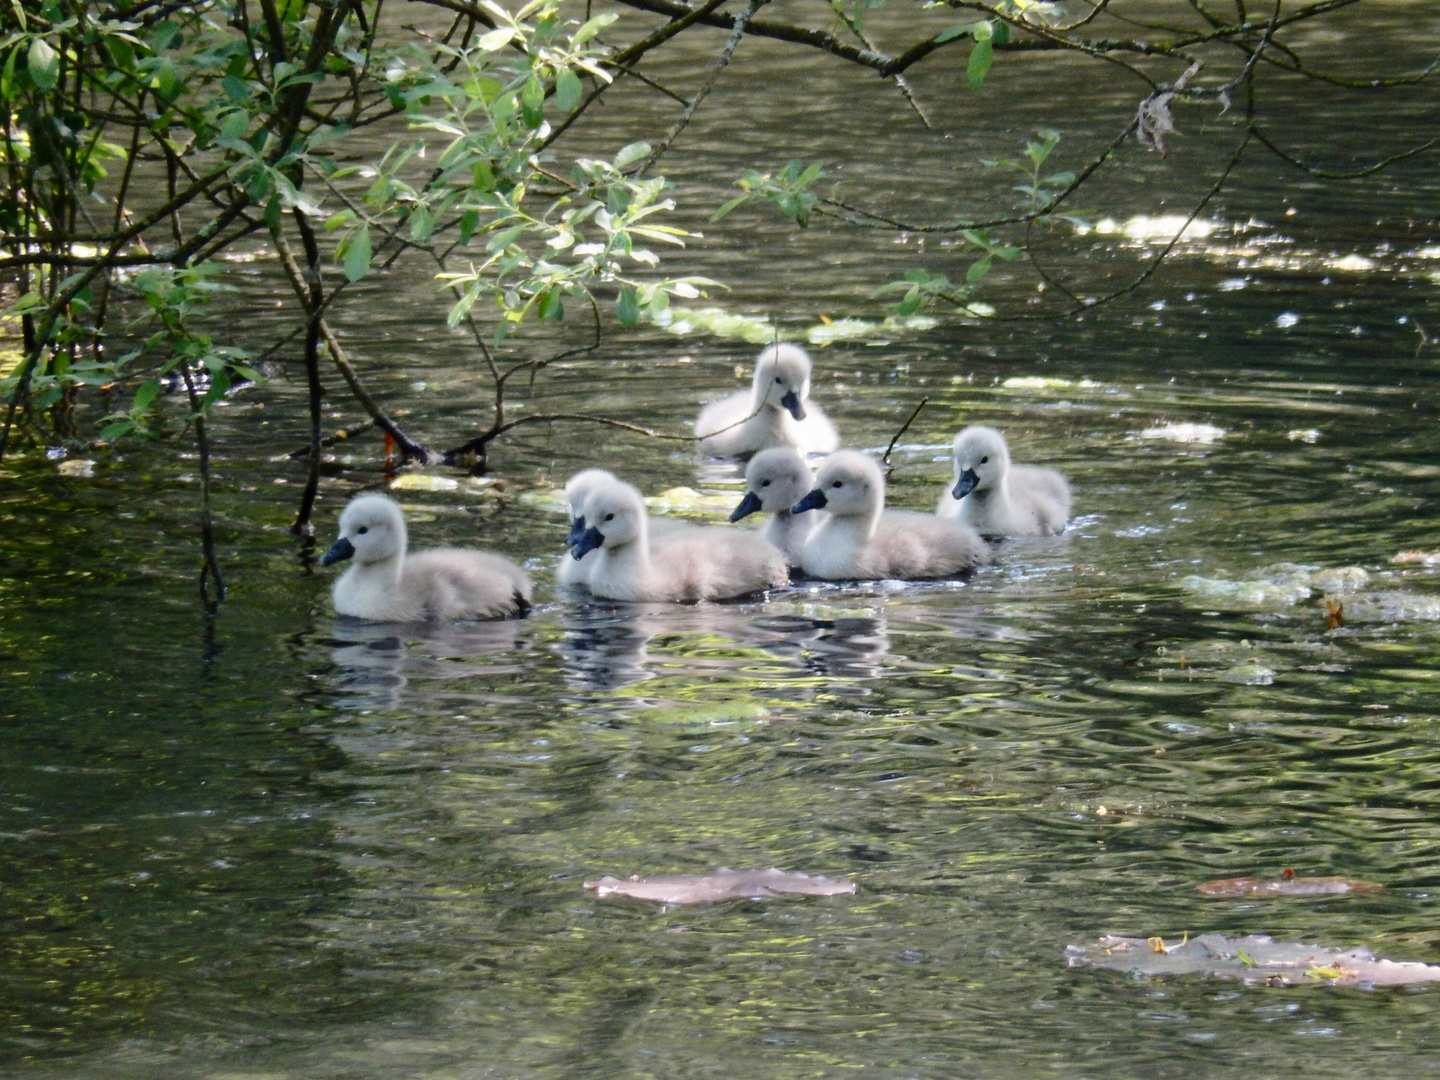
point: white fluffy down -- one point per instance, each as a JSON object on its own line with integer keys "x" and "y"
{"x": 695, "y": 563}
{"x": 384, "y": 584}
{"x": 778, "y": 478}
{"x": 572, "y": 572}
{"x": 1006, "y": 499}
{"x": 863, "y": 541}
{"x": 764, "y": 416}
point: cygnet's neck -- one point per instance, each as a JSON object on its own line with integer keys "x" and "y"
{"x": 633, "y": 553}
{"x": 381, "y": 572}
{"x": 861, "y": 525}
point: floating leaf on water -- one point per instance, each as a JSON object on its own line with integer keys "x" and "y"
{"x": 1245, "y": 595}
{"x": 1185, "y": 433}
{"x": 423, "y": 482}
{"x": 1340, "y": 579}
{"x": 1416, "y": 558}
{"x": 76, "y": 467}
{"x": 1040, "y": 382}
{"x": 1287, "y": 885}
{"x": 688, "y": 499}
{"x": 1391, "y": 607}
{"x": 721, "y": 885}
{"x": 1249, "y": 675}
{"x": 549, "y": 498}
{"x": 1256, "y": 959}
{"x": 825, "y": 333}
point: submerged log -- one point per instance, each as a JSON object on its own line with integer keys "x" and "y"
{"x": 721, "y": 885}
{"x": 1287, "y": 885}
{"x": 1257, "y": 959}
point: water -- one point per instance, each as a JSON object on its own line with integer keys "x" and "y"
{"x": 274, "y": 844}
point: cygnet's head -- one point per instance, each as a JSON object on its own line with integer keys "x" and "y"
{"x": 782, "y": 378}
{"x": 577, "y": 489}
{"x": 615, "y": 516}
{"x": 850, "y": 484}
{"x": 981, "y": 459}
{"x": 777, "y": 479}
{"x": 372, "y": 529}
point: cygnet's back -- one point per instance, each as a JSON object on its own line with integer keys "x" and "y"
{"x": 997, "y": 498}
{"x": 862, "y": 540}
{"x": 384, "y": 584}
{"x": 775, "y": 411}
{"x": 684, "y": 565}
{"x": 775, "y": 480}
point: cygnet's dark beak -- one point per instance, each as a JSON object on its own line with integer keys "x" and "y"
{"x": 341, "y": 550}
{"x": 814, "y": 501}
{"x": 966, "y": 484}
{"x": 589, "y": 540}
{"x": 577, "y": 530}
{"x": 748, "y": 505}
{"x": 791, "y": 401}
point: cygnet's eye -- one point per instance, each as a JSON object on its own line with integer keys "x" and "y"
{"x": 609, "y": 517}
{"x": 778, "y": 379}
{"x": 984, "y": 459}
{"x": 363, "y": 529}
{"x": 838, "y": 483}
{"x": 764, "y": 483}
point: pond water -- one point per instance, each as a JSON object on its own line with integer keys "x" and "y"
{"x": 270, "y": 843}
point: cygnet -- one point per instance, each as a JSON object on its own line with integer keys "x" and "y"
{"x": 996, "y": 498}
{"x": 776, "y": 411}
{"x": 862, "y": 540}
{"x": 384, "y": 584}
{"x": 571, "y": 571}
{"x": 776, "y": 480}
{"x": 694, "y": 564}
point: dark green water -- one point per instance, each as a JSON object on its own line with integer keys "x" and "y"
{"x": 274, "y": 844}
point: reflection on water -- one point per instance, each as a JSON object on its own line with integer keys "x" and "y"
{"x": 277, "y": 844}
{"x": 387, "y": 665}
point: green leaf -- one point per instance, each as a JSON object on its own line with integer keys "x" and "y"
{"x": 532, "y": 102}
{"x": 979, "y": 64}
{"x": 958, "y": 31}
{"x": 422, "y": 223}
{"x": 567, "y": 90}
{"x": 593, "y": 27}
{"x": 727, "y": 207}
{"x": 496, "y": 39}
{"x": 357, "y": 255}
{"x": 44, "y": 63}
{"x": 147, "y": 392}
{"x": 978, "y": 269}
{"x": 503, "y": 239}
{"x": 111, "y": 432}
{"x": 630, "y": 154}
{"x": 627, "y": 307}
{"x": 551, "y": 305}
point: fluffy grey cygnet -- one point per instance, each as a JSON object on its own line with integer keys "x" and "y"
{"x": 996, "y": 498}
{"x": 384, "y": 584}
{"x": 775, "y": 480}
{"x": 862, "y": 540}
{"x": 775, "y": 411}
{"x": 692, "y": 564}
{"x": 571, "y": 571}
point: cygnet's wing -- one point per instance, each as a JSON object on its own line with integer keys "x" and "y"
{"x": 719, "y": 424}
{"x": 1043, "y": 490}
{"x": 461, "y": 583}
{"x": 715, "y": 564}
{"x": 917, "y": 545}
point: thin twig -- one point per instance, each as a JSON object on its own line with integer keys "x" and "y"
{"x": 885, "y": 458}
